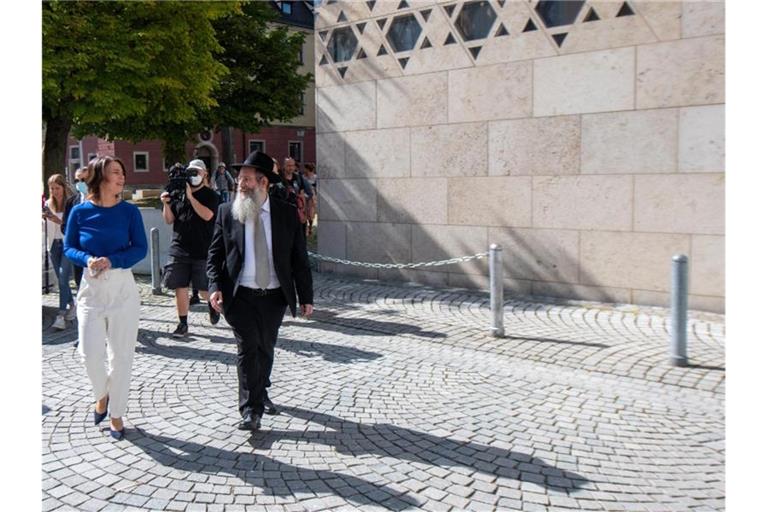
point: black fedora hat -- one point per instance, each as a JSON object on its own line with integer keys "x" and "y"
{"x": 263, "y": 163}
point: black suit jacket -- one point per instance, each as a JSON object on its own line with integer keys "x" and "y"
{"x": 289, "y": 252}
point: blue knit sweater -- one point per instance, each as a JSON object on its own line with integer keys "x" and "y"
{"x": 116, "y": 232}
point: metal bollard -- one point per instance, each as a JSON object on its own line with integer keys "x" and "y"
{"x": 679, "y": 311}
{"x": 154, "y": 254}
{"x": 497, "y": 291}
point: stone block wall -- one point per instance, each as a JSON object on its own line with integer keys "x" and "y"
{"x": 587, "y": 138}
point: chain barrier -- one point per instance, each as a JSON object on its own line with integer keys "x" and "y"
{"x": 364, "y": 264}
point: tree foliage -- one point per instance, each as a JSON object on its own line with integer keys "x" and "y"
{"x": 262, "y": 84}
{"x": 129, "y": 70}
{"x": 164, "y": 70}
{"x": 114, "y": 63}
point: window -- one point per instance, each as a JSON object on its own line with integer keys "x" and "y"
{"x": 557, "y": 13}
{"x": 256, "y": 145}
{"x": 301, "y": 55}
{"x": 475, "y": 20}
{"x": 74, "y": 152}
{"x": 342, "y": 44}
{"x": 294, "y": 151}
{"x": 286, "y": 8}
{"x": 404, "y": 32}
{"x": 301, "y": 103}
{"x": 140, "y": 161}
{"x": 91, "y": 156}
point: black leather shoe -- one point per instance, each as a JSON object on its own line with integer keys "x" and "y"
{"x": 213, "y": 315}
{"x": 269, "y": 407}
{"x": 195, "y": 299}
{"x": 98, "y": 417}
{"x": 249, "y": 423}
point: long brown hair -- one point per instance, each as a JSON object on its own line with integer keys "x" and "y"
{"x": 59, "y": 180}
{"x": 96, "y": 169}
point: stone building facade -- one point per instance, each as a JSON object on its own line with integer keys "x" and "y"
{"x": 585, "y": 137}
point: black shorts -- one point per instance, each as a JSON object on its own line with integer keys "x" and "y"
{"x": 180, "y": 272}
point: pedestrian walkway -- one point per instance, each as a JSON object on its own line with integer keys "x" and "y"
{"x": 393, "y": 397}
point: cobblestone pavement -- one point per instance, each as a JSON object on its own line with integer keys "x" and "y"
{"x": 393, "y": 397}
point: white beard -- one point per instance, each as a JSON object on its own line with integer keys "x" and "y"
{"x": 247, "y": 204}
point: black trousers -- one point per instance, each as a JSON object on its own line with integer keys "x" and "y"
{"x": 255, "y": 321}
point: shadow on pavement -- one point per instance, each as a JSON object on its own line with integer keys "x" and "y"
{"x": 51, "y": 336}
{"x": 706, "y": 367}
{"x": 328, "y": 351}
{"x": 387, "y": 440}
{"x": 273, "y": 477}
{"x": 330, "y": 321}
{"x": 148, "y": 344}
{"x": 552, "y": 340}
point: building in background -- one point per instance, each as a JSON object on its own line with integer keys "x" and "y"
{"x": 587, "y": 138}
{"x": 146, "y": 163}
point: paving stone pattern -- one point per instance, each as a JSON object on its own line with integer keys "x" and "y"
{"x": 393, "y": 397}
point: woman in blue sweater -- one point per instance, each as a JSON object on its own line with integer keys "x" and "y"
{"x": 106, "y": 236}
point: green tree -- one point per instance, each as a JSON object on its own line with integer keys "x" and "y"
{"x": 127, "y": 70}
{"x": 263, "y": 83}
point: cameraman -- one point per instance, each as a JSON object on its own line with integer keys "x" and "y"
{"x": 192, "y": 216}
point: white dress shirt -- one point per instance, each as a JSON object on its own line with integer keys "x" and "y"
{"x": 248, "y": 274}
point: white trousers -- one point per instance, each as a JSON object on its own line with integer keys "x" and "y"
{"x": 108, "y": 324}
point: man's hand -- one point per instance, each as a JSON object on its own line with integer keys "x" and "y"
{"x": 217, "y": 301}
{"x": 165, "y": 197}
{"x": 306, "y": 310}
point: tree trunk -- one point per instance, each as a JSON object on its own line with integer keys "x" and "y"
{"x": 55, "y": 149}
{"x": 227, "y": 153}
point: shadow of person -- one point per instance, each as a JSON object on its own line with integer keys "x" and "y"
{"x": 160, "y": 343}
{"x": 326, "y": 320}
{"x": 273, "y": 477}
{"x": 389, "y": 440}
{"x": 328, "y": 351}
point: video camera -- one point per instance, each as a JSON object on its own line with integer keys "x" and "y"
{"x": 177, "y": 182}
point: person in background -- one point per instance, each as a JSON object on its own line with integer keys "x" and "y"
{"x": 223, "y": 182}
{"x": 294, "y": 179}
{"x": 78, "y": 197}
{"x": 193, "y": 220}
{"x": 294, "y": 190}
{"x": 106, "y": 235}
{"x": 53, "y": 214}
{"x": 311, "y": 177}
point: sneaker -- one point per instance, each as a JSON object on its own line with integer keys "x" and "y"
{"x": 71, "y": 313}
{"x": 60, "y": 324}
{"x": 195, "y": 299}
{"x": 181, "y": 330}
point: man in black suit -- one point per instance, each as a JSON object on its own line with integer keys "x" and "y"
{"x": 257, "y": 264}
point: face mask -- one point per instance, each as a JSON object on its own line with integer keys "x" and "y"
{"x": 195, "y": 180}
{"x": 81, "y": 187}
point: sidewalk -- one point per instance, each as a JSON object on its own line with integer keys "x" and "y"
{"x": 393, "y": 397}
